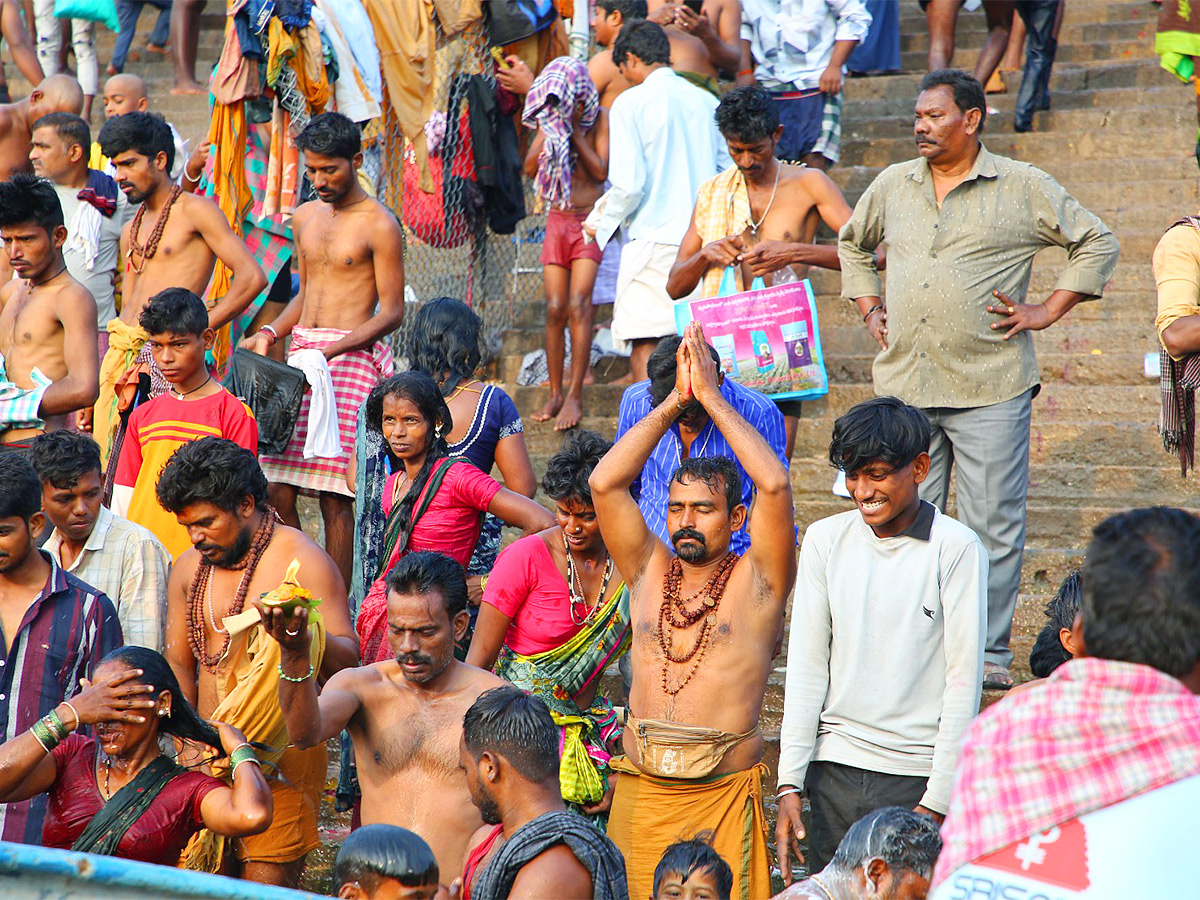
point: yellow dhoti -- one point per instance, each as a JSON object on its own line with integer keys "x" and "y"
{"x": 124, "y": 344}
{"x": 248, "y": 699}
{"x": 650, "y": 813}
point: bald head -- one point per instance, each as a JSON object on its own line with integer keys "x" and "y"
{"x": 57, "y": 93}
{"x": 125, "y": 93}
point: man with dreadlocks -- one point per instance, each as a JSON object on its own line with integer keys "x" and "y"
{"x": 227, "y": 665}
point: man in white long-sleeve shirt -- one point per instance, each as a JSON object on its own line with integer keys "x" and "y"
{"x": 888, "y": 626}
{"x": 663, "y": 144}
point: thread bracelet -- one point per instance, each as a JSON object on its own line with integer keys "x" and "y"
{"x": 301, "y": 679}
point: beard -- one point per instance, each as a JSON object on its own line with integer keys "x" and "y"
{"x": 227, "y": 557}
{"x": 489, "y": 809}
{"x": 689, "y": 552}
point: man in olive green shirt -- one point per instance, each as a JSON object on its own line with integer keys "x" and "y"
{"x": 962, "y": 227}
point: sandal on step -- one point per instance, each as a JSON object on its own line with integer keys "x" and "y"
{"x": 996, "y": 677}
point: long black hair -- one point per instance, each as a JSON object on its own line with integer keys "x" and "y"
{"x": 183, "y": 721}
{"x": 445, "y": 342}
{"x": 422, "y": 392}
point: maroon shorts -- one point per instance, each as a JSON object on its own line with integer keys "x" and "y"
{"x": 563, "y": 243}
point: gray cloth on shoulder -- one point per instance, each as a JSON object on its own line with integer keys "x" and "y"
{"x": 590, "y": 845}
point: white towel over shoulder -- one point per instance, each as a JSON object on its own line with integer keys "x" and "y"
{"x": 321, "y": 439}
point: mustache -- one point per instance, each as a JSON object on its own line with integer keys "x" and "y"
{"x": 414, "y": 659}
{"x": 682, "y": 533}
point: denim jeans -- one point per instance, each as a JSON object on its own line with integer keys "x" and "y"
{"x": 128, "y": 12}
{"x": 1040, "y": 47}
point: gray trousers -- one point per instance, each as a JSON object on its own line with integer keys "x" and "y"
{"x": 989, "y": 446}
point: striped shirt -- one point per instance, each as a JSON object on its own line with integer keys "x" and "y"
{"x": 67, "y": 630}
{"x": 655, "y": 480}
{"x": 155, "y": 431}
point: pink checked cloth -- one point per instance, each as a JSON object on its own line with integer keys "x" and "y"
{"x": 1094, "y": 733}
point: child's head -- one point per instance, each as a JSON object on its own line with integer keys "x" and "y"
{"x": 125, "y": 93}
{"x": 692, "y": 870}
{"x": 883, "y": 447}
{"x": 176, "y": 321}
{"x": 384, "y": 862}
{"x": 1056, "y": 641}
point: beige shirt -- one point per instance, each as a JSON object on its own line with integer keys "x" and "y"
{"x": 1177, "y": 274}
{"x": 942, "y": 265}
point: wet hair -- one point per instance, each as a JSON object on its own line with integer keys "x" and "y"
{"x": 747, "y": 114}
{"x": 568, "y": 470}
{"x": 184, "y": 721}
{"x": 373, "y": 853}
{"x": 425, "y": 571}
{"x": 967, "y": 90}
{"x": 27, "y": 198}
{"x": 174, "y": 311}
{"x": 697, "y": 855}
{"x": 331, "y": 134}
{"x": 629, "y": 9}
{"x": 69, "y": 127}
{"x": 711, "y": 470}
{"x": 421, "y": 391}
{"x": 211, "y": 470}
{"x": 62, "y": 457}
{"x": 905, "y": 840}
{"x": 882, "y": 428}
{"x": 1141, "y": 590}
{"x": 444, "y": 342}
{"x": 21, "y": 494}
{"x": 517, "y": 726}
{"x": 645, "y": 40}
{"x": 1048, "y": 652}
{"x": 145, "y": 133}
{"x": 661, "y": 368}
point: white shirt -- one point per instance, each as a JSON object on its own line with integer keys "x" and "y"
{"x": 663, "y": 145}
{"x": 99, "y": 279}
{"x": 885, "y": 658}
{"x": 792, "y": 40}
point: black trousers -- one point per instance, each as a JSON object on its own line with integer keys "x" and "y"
{"x": 840, "y": 795}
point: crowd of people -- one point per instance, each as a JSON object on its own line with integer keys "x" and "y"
{"x": 180, "y": 656}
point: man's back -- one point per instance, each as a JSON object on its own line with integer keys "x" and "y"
{"x": 665, "y": 144}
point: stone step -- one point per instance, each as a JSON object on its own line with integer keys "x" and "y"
{"x": 1149, "y": 123}
{"x": 1166, "y": 96}
{"x": 971, "y": 30}
{"x": 1100, "y": 52}
{"x": 1049, "y": 484}
{"x": 1131, "y": 443}
{"x": 1050, "y": 525}
{"x": 1037, "y": 149}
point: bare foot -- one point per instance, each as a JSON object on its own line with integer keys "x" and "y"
{"x": 189, "y": 87}
{"x": 589, "y": 377}
{"x": 155, "y": 48}
{"x": 570, "y": 414}
{"x": 549, "y": 410}
{"x": 110, "y": 69}
{"x": 624, "y": 381}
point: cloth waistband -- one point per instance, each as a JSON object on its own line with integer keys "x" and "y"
{"x": 795, "y": 95}
{"x": 674, "y": 750}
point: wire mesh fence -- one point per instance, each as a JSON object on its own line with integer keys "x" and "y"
{"x": 449, "y": 248}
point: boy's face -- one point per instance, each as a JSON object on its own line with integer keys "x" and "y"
{"x": 180, "y": 356}
{"x": 884, "y": 494}
{"x": 119, "y": 100}
{"x": 31, "y": 249}
{"x": 700, "y": 885}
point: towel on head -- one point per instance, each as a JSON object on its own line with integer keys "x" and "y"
{"x": 561, "y": 87}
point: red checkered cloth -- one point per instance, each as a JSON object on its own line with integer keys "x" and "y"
{"x": 354, "y": 374}
{"x": 1094, "y": 733}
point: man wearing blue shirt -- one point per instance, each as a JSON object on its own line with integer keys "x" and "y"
{"x": 692, "y": 435}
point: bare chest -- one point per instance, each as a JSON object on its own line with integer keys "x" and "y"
{"x": 407, "y": 739}
{"x": 28, "y": 320}
{"x": 180, "y": 258}
{"x": 333, "y": 249}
